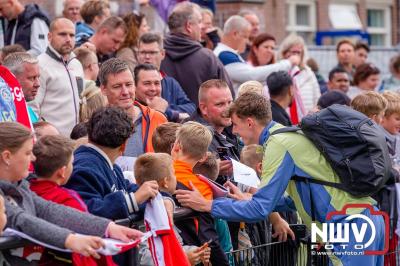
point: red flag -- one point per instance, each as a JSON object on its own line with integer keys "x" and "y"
{"x": 9, "y": 80}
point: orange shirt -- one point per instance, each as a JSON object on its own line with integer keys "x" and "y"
{"x": 184, "y": 174}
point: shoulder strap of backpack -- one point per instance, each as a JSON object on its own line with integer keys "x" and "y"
{"x": 320, "y": 182}
{"x": 285, "y": 129}
{"x": 308, "y": 181}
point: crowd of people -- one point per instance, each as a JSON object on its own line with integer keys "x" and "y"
{"x": 104, "y": 114}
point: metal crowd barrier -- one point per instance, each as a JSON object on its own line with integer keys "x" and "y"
{"x": 289, "y": 253}
{"x": 133, "y": 221}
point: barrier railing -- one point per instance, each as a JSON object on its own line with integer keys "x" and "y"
{"x": 296, "y": 253}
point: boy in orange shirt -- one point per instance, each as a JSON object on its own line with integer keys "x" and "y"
{"x": 190, "y": 147}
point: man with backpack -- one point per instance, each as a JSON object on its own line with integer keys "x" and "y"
{"x": 292, "y": 163}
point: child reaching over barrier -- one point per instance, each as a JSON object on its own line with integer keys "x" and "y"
{"x": 159, "y": 167}
{"x": 43, "y": 220}
{"x": 190, "y": 147}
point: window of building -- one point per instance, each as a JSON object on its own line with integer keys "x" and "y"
{"x": 378, "y": 25}
{"x": 303, "y": 15}
{"x": 301, "y": 19}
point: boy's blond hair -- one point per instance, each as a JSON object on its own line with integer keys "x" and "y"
{"x": 369, "y": 103}
{"x": 251, "y": 155}
{"x": 85, "y": 56}
{"x": 250, "y": 86}
{"x": 194, "y": 139}
{"x": 153, "y": 166}
{"x": 164, "y": 137}
{"x": 209, "y": 167}
{"x": 393, "y": 102}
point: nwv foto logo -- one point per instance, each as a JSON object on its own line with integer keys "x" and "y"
{"x": 364, "y": 231}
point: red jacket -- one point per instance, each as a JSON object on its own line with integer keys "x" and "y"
{"x": 53, "y": 192}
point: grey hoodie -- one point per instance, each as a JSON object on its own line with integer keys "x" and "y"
{"x": 190, "y": 64}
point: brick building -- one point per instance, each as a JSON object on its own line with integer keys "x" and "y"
{"x": 380, "y": 18}
{"x": 54, "y": 7}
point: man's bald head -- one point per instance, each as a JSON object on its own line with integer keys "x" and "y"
{"x": 60, "y": 22}
{"x": 62, "y": 36}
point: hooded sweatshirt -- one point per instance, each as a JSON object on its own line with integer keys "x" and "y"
{"x": 190, "y": 64}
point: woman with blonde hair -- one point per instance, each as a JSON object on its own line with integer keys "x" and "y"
{"x": 307, "y": 91}
{"x": 91, "y": 99}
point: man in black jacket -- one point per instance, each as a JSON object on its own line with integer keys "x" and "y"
{"x": 214, "y": 100}
{"x": 27, "y": 25}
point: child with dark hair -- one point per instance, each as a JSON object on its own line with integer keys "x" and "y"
{"x": 96, "y": 177}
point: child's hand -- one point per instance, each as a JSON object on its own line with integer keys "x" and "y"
{"x": 199, "y": 255}
{"x": 282, "y": 229}
{"x": 85, "y": 245}
{"x": 147, "y": 190}
{"x": 122, "y": 233}
{"x": 225, "y": 167}
{"x": 205, "y": 257}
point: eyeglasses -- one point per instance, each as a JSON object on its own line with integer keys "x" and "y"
{"x": 151, "y": 53}
{"x": 294, "y": 52}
